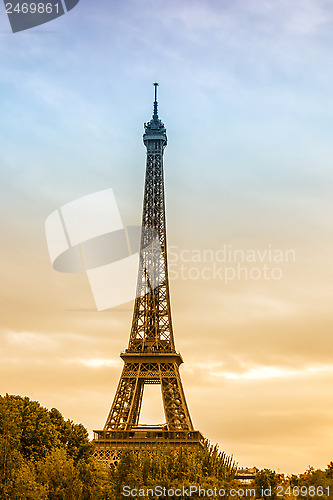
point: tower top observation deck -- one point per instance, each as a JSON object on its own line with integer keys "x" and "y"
{"x": 155, "y": 129}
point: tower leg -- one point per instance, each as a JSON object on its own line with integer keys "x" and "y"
{"x": 175, "y": 407}
{"x": 126, "y": 405}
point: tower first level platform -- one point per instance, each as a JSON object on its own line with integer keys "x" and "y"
{"x": 110, "y": 444}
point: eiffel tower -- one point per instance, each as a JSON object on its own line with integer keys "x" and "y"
{"x": 151, "y": 356}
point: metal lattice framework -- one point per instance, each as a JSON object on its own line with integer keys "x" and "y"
{"x": 149, "y": 369}
{"x": 152, "y": 324}
{"x": 151, "y": 357}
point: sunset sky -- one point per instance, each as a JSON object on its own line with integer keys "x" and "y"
{"x": 246, "y": 97}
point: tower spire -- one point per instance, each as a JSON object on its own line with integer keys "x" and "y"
{"x": 155, "y": 115}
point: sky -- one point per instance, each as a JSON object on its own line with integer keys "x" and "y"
{"x": 246, "y": 97}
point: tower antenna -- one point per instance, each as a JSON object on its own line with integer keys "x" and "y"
{"x": 155, "y": 115}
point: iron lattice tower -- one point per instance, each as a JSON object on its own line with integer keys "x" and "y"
{"x": 151, "y": 357}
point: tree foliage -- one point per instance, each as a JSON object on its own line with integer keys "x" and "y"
{"x": 45, "y": 457}
{"x": 162, "y": 466}
{"x": 313, "y": 484}
{"x": 265, "y": 483}
{"x": 42, "y": 456}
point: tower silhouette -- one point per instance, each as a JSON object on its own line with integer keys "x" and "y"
{"x": 151, "y": 356}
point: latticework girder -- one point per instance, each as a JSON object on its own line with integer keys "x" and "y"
{"x": 126, "y": 406}
{"x": 152, "y": 323}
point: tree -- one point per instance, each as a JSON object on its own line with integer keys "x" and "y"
{"x": 265, "y": 483}
{"x": 329, "y": 471}
{"x": 44, "y": 457}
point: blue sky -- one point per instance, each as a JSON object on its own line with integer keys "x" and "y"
{"x": 245, "y": 94}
